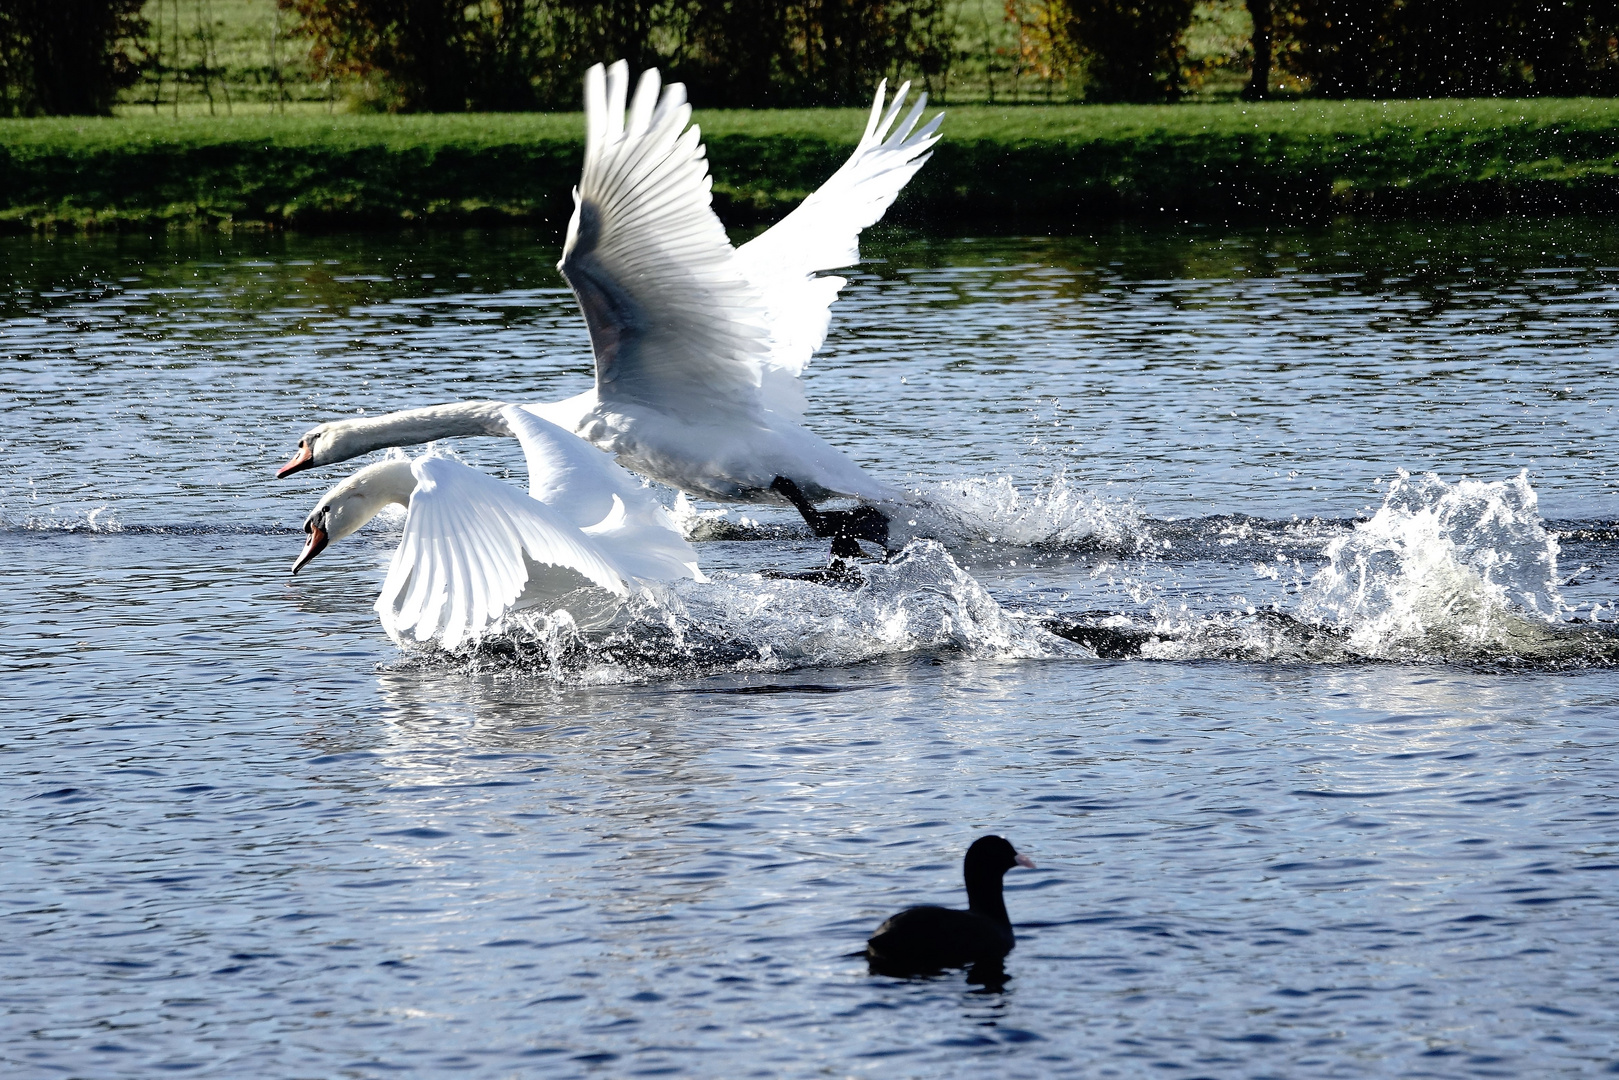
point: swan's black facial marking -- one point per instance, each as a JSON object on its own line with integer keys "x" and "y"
{"x": 315, "y": 529}
{"x": 303, "y": 459}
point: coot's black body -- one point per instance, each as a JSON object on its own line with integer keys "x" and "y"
{"x": 923, "y": 939}
{"x": 932, "y": 938}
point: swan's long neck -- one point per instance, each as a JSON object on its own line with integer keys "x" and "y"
{"x": 344, "y": 439}
{"x": 361, "y": 497}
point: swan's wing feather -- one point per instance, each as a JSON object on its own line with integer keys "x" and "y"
{"x": 565, "y": 472}
{"x": 823, "y": 232}
{"x": 673, "y": 322}
{"x": 462, "y": 563}
{"x": 603, "y": 499}
{"x": 651, "y": 552}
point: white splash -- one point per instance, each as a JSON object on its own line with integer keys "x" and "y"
{"x": 718, "y": 523}
{"x": 920, "y": 602}
{"x": 1442, "y": 572}
{"x": 1054, "y": 512}
{"x": 99, "y": 519}
{"x": 1442, "y": 569}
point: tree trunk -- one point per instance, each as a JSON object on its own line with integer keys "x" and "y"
{"x": 1258, "y": 87}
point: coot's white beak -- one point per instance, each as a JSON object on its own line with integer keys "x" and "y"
{"x": 1025, "y": 862}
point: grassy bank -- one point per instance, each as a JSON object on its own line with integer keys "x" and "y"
{"x": 1051, "y": 164}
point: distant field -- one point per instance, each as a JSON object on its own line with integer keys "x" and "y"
{"x": 222, "y": 55}
{"x": 1050, "y": 164}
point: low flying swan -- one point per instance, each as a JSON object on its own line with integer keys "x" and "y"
{"x": 475, "y": 549}
{"x": 699, "y": 346}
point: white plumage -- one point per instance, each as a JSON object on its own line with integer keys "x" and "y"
{"x": 470, "y": 549}
{"x": 699, "y": 346}
{"x": 823, "y": 232}
{"x": 474, "y": 549}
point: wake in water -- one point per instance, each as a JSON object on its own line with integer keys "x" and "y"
{"x": 1054, "y": 513}
{"x": 1465, "y": 571}
{"x": 919, "y": 602}
{"x": 1445, "y": 572}
{"x": 1442, "y": 572}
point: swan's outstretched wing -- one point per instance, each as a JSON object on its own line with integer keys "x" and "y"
{"x": 823, "y": 232}
{"x": 568, "y": 474}
{"x": 673, "y": 323}
{"x": 470, "y": 549}
{"x": 598, "y": 495}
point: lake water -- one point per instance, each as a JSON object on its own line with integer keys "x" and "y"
{"x": 1336, "y": 505}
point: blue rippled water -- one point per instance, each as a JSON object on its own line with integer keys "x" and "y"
{"x": 1273, "y": 618}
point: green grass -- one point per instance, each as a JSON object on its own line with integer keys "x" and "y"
{"x": 218, "y": 56}
{"x": 272, "y": 170}
{"x": 1047, "y": 164}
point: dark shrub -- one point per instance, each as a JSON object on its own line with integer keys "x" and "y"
{"x": 443, "y": 55}
{"x": 1454, "y": 48}
{"x": 1132, "y": 48}
{"x": 66, "y": 57}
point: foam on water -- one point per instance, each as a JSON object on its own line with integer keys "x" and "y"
{"x": 1053, "y": 512}
{"x": 97, "y": 519}
{"x": 919, "y": 602}
{"x": 1443, "y": 571}
{"x": 727, "y": 523}
{"x": 1465, "y": 569}
{"x": 105, "y": 522}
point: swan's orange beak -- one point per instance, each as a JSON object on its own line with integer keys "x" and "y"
{"x": 303, "y": 459}
{"x": 1022, "y": 860}
{"x": 313, "y": 546}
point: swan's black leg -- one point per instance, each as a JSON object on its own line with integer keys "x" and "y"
{"x": 789, "y": 491}
{"x": 845, "y": 528}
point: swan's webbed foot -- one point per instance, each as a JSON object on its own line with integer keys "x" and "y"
{"x": 839, "y": 574}
{"x": 845, "y": 528}
{"x": 845, "y": 547}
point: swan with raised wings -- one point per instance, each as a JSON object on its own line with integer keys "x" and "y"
{"x": 699, "y": 346}
{"x": 475, "y": 549}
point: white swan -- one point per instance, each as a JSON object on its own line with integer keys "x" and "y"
{"x": 475, "y": 549}
{"x": 699, "y": 347}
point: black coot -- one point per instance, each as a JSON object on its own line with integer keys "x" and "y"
{"x": 923, "y": 939}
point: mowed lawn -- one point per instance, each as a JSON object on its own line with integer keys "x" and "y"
{"x": 1048, "y": 163}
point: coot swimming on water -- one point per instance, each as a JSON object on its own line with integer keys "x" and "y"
{"x": 923, "y": 939}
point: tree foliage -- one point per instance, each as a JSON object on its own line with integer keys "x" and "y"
{"x": 812, "y": 52}
{"x": 1454, "y": 48}
{"x": 66, "y": 57}
{"x": 446, "y": 55}
{"x": 1132, "y": 49}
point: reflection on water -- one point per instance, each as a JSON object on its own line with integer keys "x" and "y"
{"x": 247, "y": 835}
